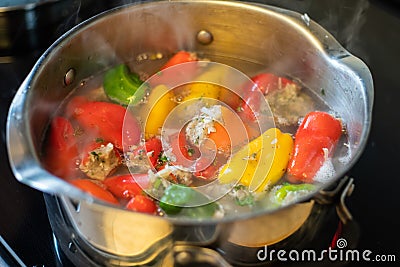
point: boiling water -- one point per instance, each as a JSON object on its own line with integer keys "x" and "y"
{"x": 147, "y": 64}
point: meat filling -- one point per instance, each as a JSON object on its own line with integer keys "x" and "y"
{"x": 100, "y": 162}
{"x": 289, "y": 104}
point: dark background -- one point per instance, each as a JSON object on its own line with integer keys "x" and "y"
{"x": 368, "y": 29}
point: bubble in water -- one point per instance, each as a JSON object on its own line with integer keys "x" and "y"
{"x": 326, "y": 172}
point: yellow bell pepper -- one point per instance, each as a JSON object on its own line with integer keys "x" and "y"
{"x": 260, "y": 163}
{"x": 207, "y": 84}
{"x": 159, "y": 104}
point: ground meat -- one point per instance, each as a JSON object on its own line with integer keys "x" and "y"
{"x": 289, "y": 104}
{"x": 137, "y": 159}
{"x": 100, "y": 162}
{"x": 176, "y": 175}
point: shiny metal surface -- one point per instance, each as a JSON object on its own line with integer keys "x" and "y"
{"x": 297, "y": 47}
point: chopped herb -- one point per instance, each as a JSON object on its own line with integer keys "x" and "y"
{"x": 78, "y": 131}
{"x": 157, "y": 183}
{"x": 245, "y": 201}
{"x": 288, "y": 188}
{"x": 190, "y": 151}
{"x": 239, "y": 187}
{"x": 99, "y": 140}
{"x": 243, "y": 197}
{"x": 163, "y": 158}
{"x": 323, "y": 91}
{"x": 252, "y": 156}
{"x": 95, "y": 155}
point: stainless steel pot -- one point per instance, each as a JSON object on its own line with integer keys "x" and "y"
{"x": 260, "y": 34}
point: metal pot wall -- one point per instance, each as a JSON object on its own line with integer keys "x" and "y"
{"x": 290, "y": 42}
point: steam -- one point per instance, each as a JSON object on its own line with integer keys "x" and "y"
{"x": 345, "y": 21}
{"x": 73, "y": 19}
{"x": 352, "y": 31}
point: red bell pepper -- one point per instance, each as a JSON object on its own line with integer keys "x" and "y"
{"x": 95, "y": 189}
{"x": 178, "y": 75}
{"x": 109, "y": 121}
{"x": 151, "y": 149}
{"x": 204, "y": 169}
{"x": 154, "y": 146}
{"x": 142, "y": 203}
{"x": 127, "y": 186}
{"x": 73, "y": 105}
{"x": 61, "y": 148}
{"x": 181, "y": 149}
{"x": 178, "y": 58}
{"x": 315, "y": 140}
{"x": 206, "y": 173}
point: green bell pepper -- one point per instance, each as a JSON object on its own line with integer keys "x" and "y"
{"x": 120, "y": 85}
{"x": 287, "y": 188}
{"x": 178, "y": 199}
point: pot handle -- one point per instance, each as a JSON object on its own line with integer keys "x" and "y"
{"x": 347, "y": 232}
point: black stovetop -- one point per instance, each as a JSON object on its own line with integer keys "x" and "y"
{"x": 368, "y": 29}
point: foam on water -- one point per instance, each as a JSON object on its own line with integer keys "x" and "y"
{"x": 326, "y": 172}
